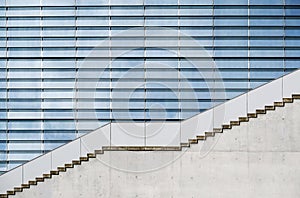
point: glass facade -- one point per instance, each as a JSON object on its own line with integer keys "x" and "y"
{"x": 68, "y": 64}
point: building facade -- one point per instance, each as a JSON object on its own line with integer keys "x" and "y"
{"x": 70, "y": 66}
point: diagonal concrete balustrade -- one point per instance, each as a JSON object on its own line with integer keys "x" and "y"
{"x": 154, "y": 136}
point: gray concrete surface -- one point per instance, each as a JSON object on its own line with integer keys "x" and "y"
{"x": 258, "y": 159}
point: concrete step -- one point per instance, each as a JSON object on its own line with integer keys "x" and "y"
{"x": 234, "y": 123}
{"x": 201, "y": 137}
{"x": 47, "y": 176}
{"x": 226, "y": 126}
{"x": 288, "y": 100}
{"x": 243, "y": 119}
{"x": 279, "y": 104}
{"x": 54, "y": 172}
{"x": 99, "y": 152}
{"x": 260, "y": 111}
{"x": 84, "y": 159}
{"x": 252, "y": 115}
{"x": 218, "y": 130}
{"x": 193, "y": 141}
{"x": 185, "y": 145}
{"x": 39, "y": 179}
{"x": 32, "y": 182}
{"x": 76, "y": 162}
{"x": 11, "y": 192}
{"x": 61, "y": 169}
{"x": 209, "y": 134}
{"x": 91, "y": 155}
{"x": 296, "y": 96}
{"x": 18, "y": 189}
{"x": 269, "y": 108}
{"x": 25, "y": 185}
{"x": 69, "y": 165}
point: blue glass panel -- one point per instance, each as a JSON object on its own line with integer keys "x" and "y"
{"x": 24, "y": 125}
{"x": 195, "y": 2}
{"x": 292, "y": 63}
{"x": 57, "y": 135}
{"x": 261, "y": 52}
{"x": 229, "y": 21}
{"x": 292, "y": 12}
{"x": 266, "y": 11}
{"x": 59, "y": 124}
{"x": 260, "y": 42}
{"x": 292, "y": 22}
{"x": 266, "y": 21}
{"x": 266, "y": 2}
{"x": 292, "y": 32}
{"x": 266, "y": 63}
{"x": 292, "y": 2}
{"x": 195, "y": 11}
{"x": 231, "y": 63}
{"x": 231, "y": 10}
{"x": 231, "y": 2}
{"x": 266, "y": 32}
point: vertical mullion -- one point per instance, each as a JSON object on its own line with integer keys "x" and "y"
{"x": 178, "y": 70}
{"x": 6, "y": 80}
{"x": 145, "y": 70}
{"x": 213, "y": 59}
{"x": 248, "y": 51}
{"x": 76, "y": 120}
{"x": 41, "y": 80}
{"x": 284, "y": 37}
{"x": 110, "y": 62}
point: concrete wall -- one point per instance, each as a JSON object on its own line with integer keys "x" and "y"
{"x": 260, "y": 158}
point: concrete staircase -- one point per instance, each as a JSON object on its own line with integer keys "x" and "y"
{"x": 194, "y": 140}
{"x": 202, "y": 136}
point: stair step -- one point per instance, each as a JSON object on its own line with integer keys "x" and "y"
{"x": 106, "y": 148}
{"x": 61, "y": 169}
{"x": 201, "y": 137}
{"x": 18, "y": 189}
{"x": 99, "y": 151}
{"x": 226, "y": 126}
{"x": 47, "y": 176}
{"x": 69, "y": 165}
{"x": 54, "y": 172}
{"x": 10, "y": 192}
{"x": 269, "y": 107}
{"x": 193, "y": 141}
{"x": 260, "y": 111}
{"x": 184, "y": 144}
{"x": 3, "y": 196}
{"x": 252, "y": 115}
{"x": 85, "y": 159}
{"x": 91, "y": 155}
{"x": 278, "y": 104}
{"x": 39, "y": 179}
{"x": 209, "y": 134}
{"x": 25, "y": 185}
{"x": 76, "y": 162}
{"x": 243, "y": 119}
{"x": 234, "y": 123}
{"x": 32, "y": 182}
{"x": 288, "y": 100}
{"x": 218, "y": 130}
{"x": 296, "y": 96}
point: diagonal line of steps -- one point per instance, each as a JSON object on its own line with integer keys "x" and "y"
{"x": 151, "y": 148}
